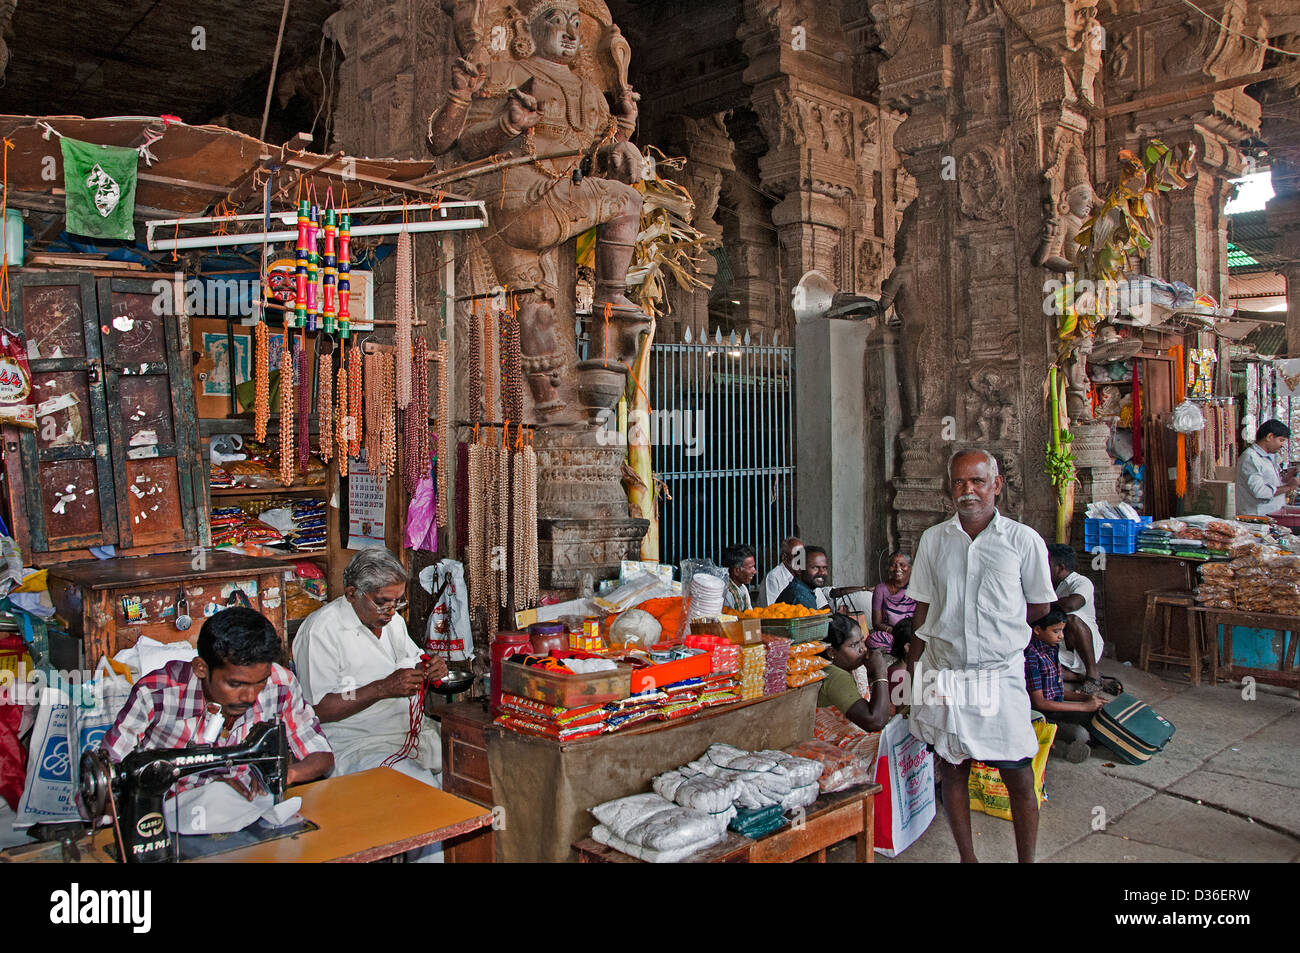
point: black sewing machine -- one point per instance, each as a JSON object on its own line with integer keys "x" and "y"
{"x": 132, "y": 790}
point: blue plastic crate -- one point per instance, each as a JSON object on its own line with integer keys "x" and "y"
{"x": 1113, "y": 536}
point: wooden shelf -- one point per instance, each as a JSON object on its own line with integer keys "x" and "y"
{"x": 270, "y": 491}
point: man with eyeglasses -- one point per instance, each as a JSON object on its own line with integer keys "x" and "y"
{"x": 359, "y": 669}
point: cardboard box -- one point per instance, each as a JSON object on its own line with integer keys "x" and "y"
{"x": 740, "y": 631}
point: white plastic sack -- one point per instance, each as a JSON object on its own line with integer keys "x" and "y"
{"x": 48, "y": 792}
{"x": 1186, "y": 418}
{"x": 905, "y": 770}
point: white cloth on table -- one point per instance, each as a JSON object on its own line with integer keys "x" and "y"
{"x": 1258, "y": 480}
{"x": 1077, "y": 584}
{"x": 978, "y": 592}
{"x": 334, "y": 653}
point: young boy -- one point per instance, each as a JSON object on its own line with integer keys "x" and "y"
{"x": 1081, "y": 648}
{"x": 1069, "y": 711}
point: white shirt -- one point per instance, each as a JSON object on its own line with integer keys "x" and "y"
{"x": 975, "y": 634}
{"x": 774, "y": 584}
{"x": 1077, "y": 584}
{"x": 1258, "y": 481}
{"x": 335, "y": 653}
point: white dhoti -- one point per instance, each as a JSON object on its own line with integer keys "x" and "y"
{"x": 972, "y": 713}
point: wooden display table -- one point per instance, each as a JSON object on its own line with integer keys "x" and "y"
{"x": 1287, "y": 674}
{"x": 829, "y": 820}
{"x": 545, "y": 788}
{"x": 361, "y": 817}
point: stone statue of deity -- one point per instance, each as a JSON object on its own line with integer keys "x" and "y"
{"x": 540, "y": 99}
{"x": 1070, "y": 209}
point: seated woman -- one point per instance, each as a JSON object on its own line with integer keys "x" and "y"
{"x": 892, "y": 609}
{"x": 853, "y": 702}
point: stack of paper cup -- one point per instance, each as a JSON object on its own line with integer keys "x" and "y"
{"x": 706, "y": 595}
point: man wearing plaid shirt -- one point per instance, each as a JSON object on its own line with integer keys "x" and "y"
{"x": 217, "y": 699}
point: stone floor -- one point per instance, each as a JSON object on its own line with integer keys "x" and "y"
{"x": 1227, "y": 788}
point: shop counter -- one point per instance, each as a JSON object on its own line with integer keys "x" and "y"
{"x": 1125, "y": 581}
{"x": 545, "y": 788}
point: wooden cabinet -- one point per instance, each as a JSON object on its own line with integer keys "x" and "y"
{"x": 1125, "y": 583}
{"x": 96, "y": 598}
{"x": 117, "y": 463}
{"x": 465, "y": 773}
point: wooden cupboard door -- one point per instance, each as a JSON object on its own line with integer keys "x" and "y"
{"x": 62, "y": 493}
{"x": 152, "y": 432}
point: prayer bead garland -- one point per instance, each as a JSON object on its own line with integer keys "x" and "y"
{"x": 325, "y": 405}
{"x": 354, "y": 400}
{"x": 286, "y": 413}
{"x": 343, "y": 424}
{"x": 262, "y": 382}
{"x": 405, "y": 296}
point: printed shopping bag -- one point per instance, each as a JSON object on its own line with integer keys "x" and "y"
{"x": 990, "y": 795}
{"x": 904, "y": 807}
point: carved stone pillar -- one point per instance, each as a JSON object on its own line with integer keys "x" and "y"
{"x": 396, "y": 63}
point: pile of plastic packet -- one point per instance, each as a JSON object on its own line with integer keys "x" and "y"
{"x": 669, "y": 703}
{"x": 806, "y": 664}
{"x": 231, "y": 526}
{"x": 308, "y": 534}
{"x": 753, "y": 668}
{"x": 778, "y": 655}
{"x": 692, "y": 806}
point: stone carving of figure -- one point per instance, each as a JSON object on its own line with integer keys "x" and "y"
{"x": 541, "y": 104}
{"x": 1059, "y": 249}
{"x": 988, "y": 411}
{"x": 1077, "y": 404}
{"x": 843, "y": 125}
{"x": 897, "y": 291}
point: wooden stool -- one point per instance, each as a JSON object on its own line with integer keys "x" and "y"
{"x": 1163, "y": 602}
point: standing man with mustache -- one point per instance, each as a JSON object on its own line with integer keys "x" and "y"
{"x": 978, "y": 579}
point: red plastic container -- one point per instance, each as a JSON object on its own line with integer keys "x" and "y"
{"x": 504, "y": 645}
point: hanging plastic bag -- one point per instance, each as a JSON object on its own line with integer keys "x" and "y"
{"x": 1186, "y": 418}
{"x": 422, "y": 518}
{"x": 448, "y": 633}
{"x": 16, "y": 405}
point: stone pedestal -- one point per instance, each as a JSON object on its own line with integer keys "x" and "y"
{"x": 569, "y": 548}
{"x": 583, "y": 524}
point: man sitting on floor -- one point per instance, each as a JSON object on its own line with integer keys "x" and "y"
{"x": 1081, "y": 648}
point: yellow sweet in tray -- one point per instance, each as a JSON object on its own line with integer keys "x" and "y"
{"x": 781, "y": 610}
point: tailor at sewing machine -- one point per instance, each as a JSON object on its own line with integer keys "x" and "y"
{"x": 231, "y": 715}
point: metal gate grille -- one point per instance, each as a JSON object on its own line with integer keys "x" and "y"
{"x": 721, "y": 442}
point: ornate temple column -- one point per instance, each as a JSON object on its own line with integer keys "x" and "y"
{"x": 821, "y": 162}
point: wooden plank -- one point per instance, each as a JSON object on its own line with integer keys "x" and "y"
{"x": 162, "y": 568}
{"x": 366, "y": 816}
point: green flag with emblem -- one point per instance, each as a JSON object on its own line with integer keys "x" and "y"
{"x": 99, "y": 182}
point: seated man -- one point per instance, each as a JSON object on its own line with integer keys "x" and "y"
{"x": 739, "y": 563}
{"x": 218, "y": 697}
{"x": 360, "y": 668}
{"x": 1069, "y": 711}
{"x": 808, "y": 579}
{"x": 1082, "y": 645}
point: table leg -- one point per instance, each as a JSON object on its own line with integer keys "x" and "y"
{"x": 866, "y": 851}
{"x": 1148, "y": 633}
{"x": 1193, "y": 649}
{"x": 1211, "y": 634}
{"x": 1227, "y": 646}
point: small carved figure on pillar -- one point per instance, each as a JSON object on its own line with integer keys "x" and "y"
{"x": 1071, "y": 207}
